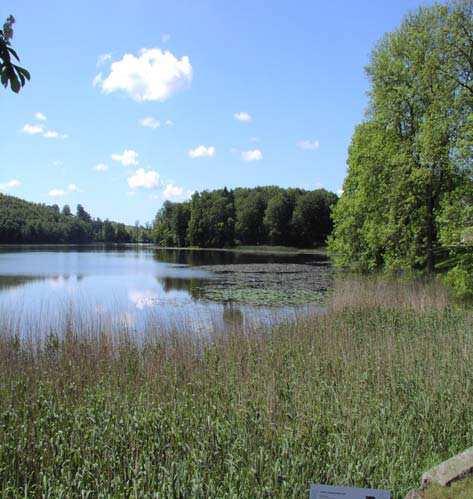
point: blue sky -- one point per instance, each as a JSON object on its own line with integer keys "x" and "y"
{"x": 232, "y": 93}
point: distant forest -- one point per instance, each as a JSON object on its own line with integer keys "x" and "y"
{"x": 211, "y": 219}
{"x": 25, "y": 222}
{"x": 247, "y": 216}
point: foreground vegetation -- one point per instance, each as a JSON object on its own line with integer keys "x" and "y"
{"x": 371, "y": 394}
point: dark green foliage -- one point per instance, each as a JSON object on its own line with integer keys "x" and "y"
{"x": 212, "y": 219}
{"x": 170, "y": 225}
{"x": 257, "y": 216}
{"x": 24, "y": 222}
{"x": 410, "y": 165}
{"x": 10, "y": 73}
{"x": 311, "y": 218}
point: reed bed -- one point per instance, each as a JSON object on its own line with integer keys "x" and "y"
{"x": 370, "y": 394}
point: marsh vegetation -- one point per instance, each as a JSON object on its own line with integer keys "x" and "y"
{"x": 371, "y": 393}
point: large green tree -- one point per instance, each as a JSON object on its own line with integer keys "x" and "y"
{"x": 413, "y": 151}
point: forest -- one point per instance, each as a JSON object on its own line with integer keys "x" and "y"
{"x": 247, "y": 216}
{"x": 25, "y": 222}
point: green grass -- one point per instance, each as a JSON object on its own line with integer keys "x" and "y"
{"x": 369, "y": 395}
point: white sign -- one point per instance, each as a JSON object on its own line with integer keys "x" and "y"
{"x": 330, "y": 492}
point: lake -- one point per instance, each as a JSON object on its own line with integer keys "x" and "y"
{"x": 141, "y": 286}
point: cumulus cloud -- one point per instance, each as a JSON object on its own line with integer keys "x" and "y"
{"x": 33, "y": 129}
{"x": 172, "y": 191}
{"x": 169, "y": 123}
{"x": 129, "y": 157}
{"x": 243, "y": 116}
{"x": 11, "y": 184}
{"x": 103, "y": 58}
{"x": 57, "y": 193}
{"x": 98, "y": 78}
{"x": 150, "y": 122}
{"x": 38, "y": 129}
{"x": 144, "y": 179}
{"x": 153, "y": 75}
{"x": 308, "y": 145}
{"x": 252, "y": 155}
{"x": 202, "y": 152}
{"x": 100, "y": 167}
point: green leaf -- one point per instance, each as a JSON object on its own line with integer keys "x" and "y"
{"x": 13, "y": 52}
{"x": 14, "y": 82}
{"x": 24, "y": 72}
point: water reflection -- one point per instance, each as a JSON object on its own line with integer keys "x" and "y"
{"x": 133, "y": 285}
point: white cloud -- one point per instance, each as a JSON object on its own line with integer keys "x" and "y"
{"x": 144, "y": 179}
{"x": 153, "y": 75}
{"x": 308, "y": 145}
{"x": 98, "y": 78}
{"x": 165, "y": 37}
{"x": 169, "y": 123}
{"x": 252, "y": 155}
{"x": 129, "y": 157}
{"x": 101, "y": 167}
{"x": 243, "y": 116}
{"x": 38, "y": 129}
{"x": 32, "y": 129}
{"x": 11, "y": 184}
{"x": 57, "y": 193}
{"x": 172, "y": 191}
{"x": 58, "y": 163}
{"x": 103, "y": 58}
{"x": 52, "y": 134}
{"x": 202, "y": 152}
{"x": 150, "y": 122}
{"x": 40, "y": 116}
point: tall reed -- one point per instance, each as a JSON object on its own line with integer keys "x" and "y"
{"x": 371, "y": 394}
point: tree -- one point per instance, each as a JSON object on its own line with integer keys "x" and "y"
{"x": 82, "y": 214}
{"x": 405, "y": 161}
{"x": 249, "y": 225}
{"x": 10, "y": 73}
{"x": 108, "y": 232}
{"x": 277, "y": 218}
{"x": 311, "y": 219}
{"x": 66, "y": 210}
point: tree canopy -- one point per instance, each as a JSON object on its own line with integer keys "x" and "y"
{"x": 262, "y": 215}
{"x": 25, "y": 222}
{"x": 410, "y": 162}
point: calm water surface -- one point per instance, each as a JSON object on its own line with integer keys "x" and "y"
{"x": 133, "y": 286}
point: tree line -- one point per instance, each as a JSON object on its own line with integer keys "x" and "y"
{"x": 247, "y": 216}
{"x": 25, "y": 222}
{"x": 407, "y": 201}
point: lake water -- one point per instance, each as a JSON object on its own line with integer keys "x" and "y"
{"x": 134, "y": 286}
